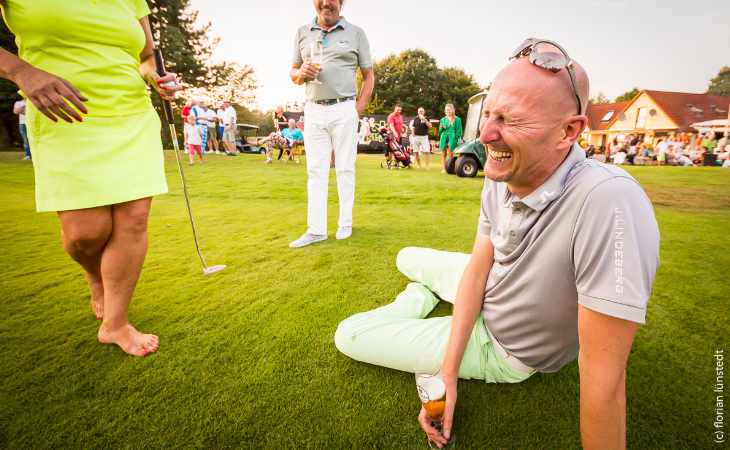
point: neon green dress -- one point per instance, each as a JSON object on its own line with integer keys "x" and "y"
{"x": 115, "y": 154}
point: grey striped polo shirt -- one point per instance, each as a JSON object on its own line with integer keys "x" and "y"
{"x": 345, "y": 48}
{"x": 587, "y": 236}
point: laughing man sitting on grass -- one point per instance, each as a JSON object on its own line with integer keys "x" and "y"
{"x": 562, "y": 265}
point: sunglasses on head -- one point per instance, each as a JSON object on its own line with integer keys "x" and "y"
{"x": 554, "y": 61}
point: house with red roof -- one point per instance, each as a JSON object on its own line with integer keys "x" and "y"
{"x": 654, "y": 114}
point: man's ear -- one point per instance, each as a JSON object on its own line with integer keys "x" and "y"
{"x": 572, "y": 129}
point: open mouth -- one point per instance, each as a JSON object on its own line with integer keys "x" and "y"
{"x": 499, "y": 155}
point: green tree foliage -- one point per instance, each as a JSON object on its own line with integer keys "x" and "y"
{"x": 600, "y": 99}
{"x": 234, "y": 83}
{"x": 186, "y": 45}
{"x": 720, "y": 85}
{"x": 414, "y": 79}
{"x": 626, "y": 96}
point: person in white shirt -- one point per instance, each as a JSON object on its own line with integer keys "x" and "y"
{"x": 194, "y": 138}
{"x": 229, "y": 125}
{"x": 212, "y": 119}
{"x": 198, "y": 111}
{"x": 19, "y": 110}
{"x": 221, "y": 118}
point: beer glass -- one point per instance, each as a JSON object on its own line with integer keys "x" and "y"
{"x": 432, "y": 392}
{"x": 315, "y": 58}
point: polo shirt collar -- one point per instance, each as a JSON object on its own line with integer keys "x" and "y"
{"x": 553, "y": 187}
{"x": 340, "y": 24}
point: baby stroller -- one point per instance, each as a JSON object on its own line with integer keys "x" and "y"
{"x": 395, "y": 154}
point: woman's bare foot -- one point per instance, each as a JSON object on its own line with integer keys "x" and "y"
{"x": 97, "y": 297}
{"x": 129, "y": 340}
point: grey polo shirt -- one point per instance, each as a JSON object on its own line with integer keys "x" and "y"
{"x": 587, "y": 236}
{"x": 345, "y": 49}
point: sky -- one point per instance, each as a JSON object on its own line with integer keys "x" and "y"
{"x": 669, "y": 45}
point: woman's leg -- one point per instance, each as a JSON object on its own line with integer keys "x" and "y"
{"x": 443, "y": 160}
{"x": 121, "y": 264}
{"x": 84, "y": 234}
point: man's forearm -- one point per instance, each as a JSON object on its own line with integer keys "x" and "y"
{"x": 467, "y": 306}
{"x": 602, "y": 420}
{"x": 366, "y": 91}
{"x": 468, "y": 303}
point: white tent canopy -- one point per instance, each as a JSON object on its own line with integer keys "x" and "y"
{"x": 718, "y": 125}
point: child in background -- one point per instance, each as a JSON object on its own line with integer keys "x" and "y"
{"x": 194, "y": 138}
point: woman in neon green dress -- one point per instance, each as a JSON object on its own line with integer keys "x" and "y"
{"x": 451, "y": 132}
{"x": 82, "y": 64}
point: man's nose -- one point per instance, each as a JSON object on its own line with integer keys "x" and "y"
{"x": 488, "y": 132}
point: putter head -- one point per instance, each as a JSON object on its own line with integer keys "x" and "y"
{"x": 213, "y": 269}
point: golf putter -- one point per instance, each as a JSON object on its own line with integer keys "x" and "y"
{"x": 169, "y": 118}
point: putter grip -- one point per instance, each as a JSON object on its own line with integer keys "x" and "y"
{"x": 160, "y": 66}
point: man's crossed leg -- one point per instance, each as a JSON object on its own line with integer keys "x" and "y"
{"x": 399, "y": 336}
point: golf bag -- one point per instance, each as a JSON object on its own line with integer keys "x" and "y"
{"x": 395, "y": 154}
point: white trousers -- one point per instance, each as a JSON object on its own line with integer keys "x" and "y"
{"x": 327, "y": 128}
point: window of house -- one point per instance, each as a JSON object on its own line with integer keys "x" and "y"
{"x": 607, "y": 116}
{"x": 641, "y": 117}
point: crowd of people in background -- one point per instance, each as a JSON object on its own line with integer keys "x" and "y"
{"x": 680, "y": 149}
{"x": 209, "y": 129}
{"x": 287, "y": 137}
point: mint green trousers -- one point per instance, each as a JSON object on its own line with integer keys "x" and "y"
{"x": 399, "y": 335}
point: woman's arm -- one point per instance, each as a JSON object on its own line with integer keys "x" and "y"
{"x": 165, "y": 85}
{"x": 50, "y": 94}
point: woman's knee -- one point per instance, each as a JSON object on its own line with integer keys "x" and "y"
{"x": 132, "y": 217}
{"x": 85, "y": 238}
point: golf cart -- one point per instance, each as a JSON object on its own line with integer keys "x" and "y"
{"x": 242, "y": 144}
{"x": 471, "y": 156}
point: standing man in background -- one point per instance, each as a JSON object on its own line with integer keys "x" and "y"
{"x": 230, "y": 120}
{"x": 212, "y": 118}
{"x": 331, "y": 112}
{"x": 421, "y": 145}
{"x": 19, "y": 110}
{"x": 395, "y": 123}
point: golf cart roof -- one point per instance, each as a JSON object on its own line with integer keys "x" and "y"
{"x": 248, "y": 126}
{"x": 474, "y": 116}
{"x": 478, "y": 97}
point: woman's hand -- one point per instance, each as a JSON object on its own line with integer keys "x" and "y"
{"x": 166, "y": 85}
{"x": 51, "y": 95}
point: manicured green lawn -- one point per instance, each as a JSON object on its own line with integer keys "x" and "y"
{"x": 247, "y": 356}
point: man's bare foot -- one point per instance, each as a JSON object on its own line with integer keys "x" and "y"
{"x": 97, "y": 298}
{"x": 129, "y": 340}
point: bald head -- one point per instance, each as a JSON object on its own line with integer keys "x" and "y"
{"x": 530, "y": 123}
{"x": 543, "y": 89}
